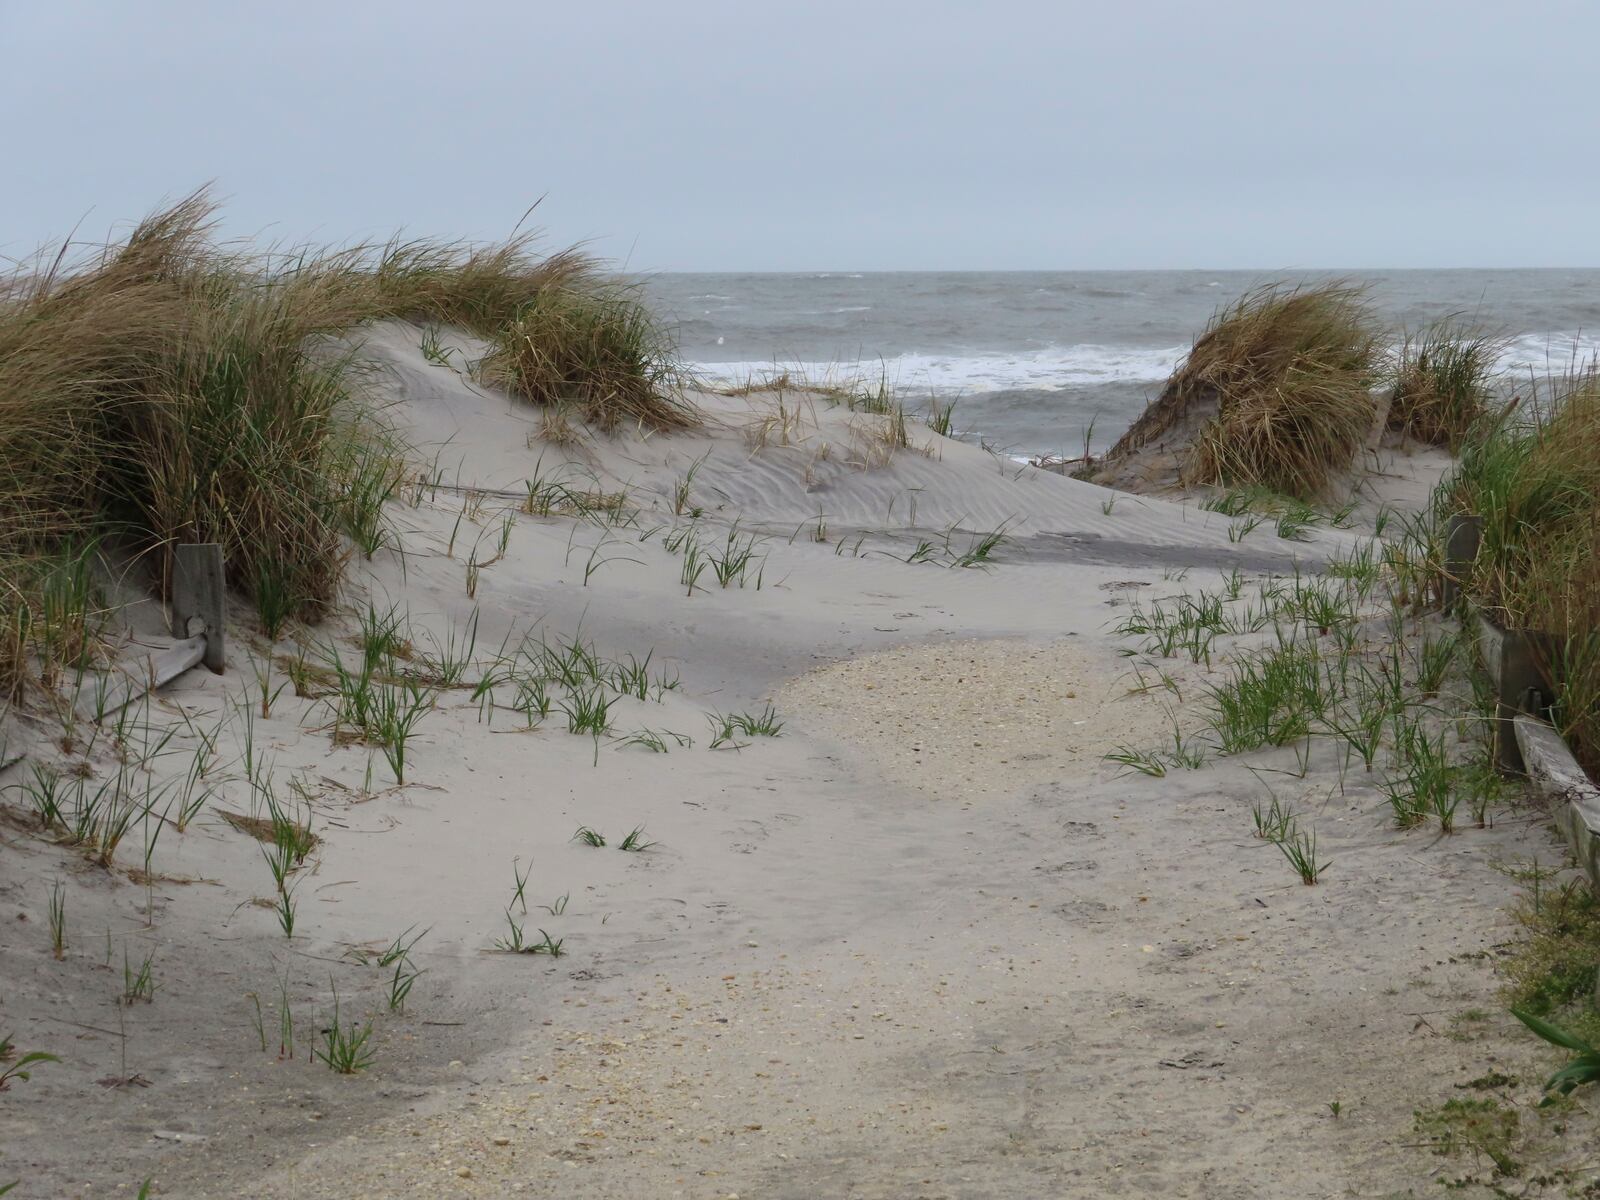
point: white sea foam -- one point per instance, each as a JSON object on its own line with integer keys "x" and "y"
{"x": 1549, "y": 353}
{"x": 1077, "y": 366}
{"x": 1041, "y": 370}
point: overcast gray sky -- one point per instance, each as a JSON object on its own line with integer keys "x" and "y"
{"x": 717, "y": 135}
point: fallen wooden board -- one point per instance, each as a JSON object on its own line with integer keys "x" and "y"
{"x": 1576, "y": 799}
{"x": 134, "y": 679}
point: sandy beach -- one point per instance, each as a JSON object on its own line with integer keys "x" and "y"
{"x": 920, "y": 939}
{"x": 799, "y": 602}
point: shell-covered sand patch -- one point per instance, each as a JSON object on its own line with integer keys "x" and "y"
{"x": 979, "y": 717}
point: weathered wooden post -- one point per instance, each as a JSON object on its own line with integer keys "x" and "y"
{"x": 1461, "y": 540}
{"x": 199, "y": 598}
{"x": 1523, "y": 687}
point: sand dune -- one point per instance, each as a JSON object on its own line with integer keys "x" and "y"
{"x": 780, "y": 459}
{"x": 864, "y": 957}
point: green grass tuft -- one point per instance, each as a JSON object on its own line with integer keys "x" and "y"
{"x": 1443, "y": 385}
{"x": 1533, "y": 473}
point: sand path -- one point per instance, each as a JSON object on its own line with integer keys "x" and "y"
{"x": 1083, "y": 987}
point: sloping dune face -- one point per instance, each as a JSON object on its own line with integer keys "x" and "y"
{"x": 778, "y": 458}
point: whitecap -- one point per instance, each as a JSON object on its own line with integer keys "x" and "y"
{"x": 1041, "y": 370}
{"x": 1549, "y": 353}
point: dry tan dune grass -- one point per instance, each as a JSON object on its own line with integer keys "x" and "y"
{"x": 170, "y": 388}
{"x": 1285, "y": 375}
{"x": 596, "y": 348}
{"x": 1443, "y": 383}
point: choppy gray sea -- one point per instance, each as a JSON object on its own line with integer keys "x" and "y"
{"x": 1034, "y": 357}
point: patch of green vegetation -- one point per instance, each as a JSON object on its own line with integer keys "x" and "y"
{"x": 1292, "y": 516}
{"x": 1551, "y": 971}
{"x": 1485, "y": 1129}
{"x": 1516, "y": 1132}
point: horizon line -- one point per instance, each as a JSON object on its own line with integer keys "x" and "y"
{"x": 854, "y": 271}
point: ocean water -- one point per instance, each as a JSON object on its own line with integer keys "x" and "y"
{"x": 1034, "y": 358}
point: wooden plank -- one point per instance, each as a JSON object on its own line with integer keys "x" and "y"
{"x": 134, "y": 679}
{"x": 1576, "y": 799}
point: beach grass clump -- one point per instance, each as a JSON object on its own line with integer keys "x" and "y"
{"x": 1532, "y": 472}
{"x": 1443, "y": 386}
{"x": 1577, "y": 708}
{"x": 1299, "y": 847}
{"x": 516, "y": 942}
{"x": 1292, "y": 371}
{"x": 374, "y": 706}
{"x": 1560, "y": 596}
{"x": 170, "y": 388}
{"x": 479, "y": 288}
{"x": 52, "y": 615}
{"x": 1273, "y": 823}
{"x": 728, "y": 728}
{"x": 1423, "y": 783}
{"x": 1271, "y": 697}
{"x": 594, "y": 349}
{"x": 635, "y": 842}
{"x": 345, "y": 1049}
{"x": 1286, "y": 373}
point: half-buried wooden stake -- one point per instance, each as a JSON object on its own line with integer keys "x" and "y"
{"x": 1461, "y": 540}
{"x": 198, "y": 614}
{"x": 1524, "y": 685}
{"x": 199, "y": 595}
